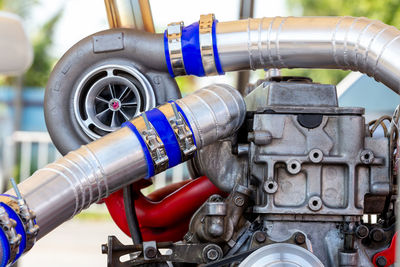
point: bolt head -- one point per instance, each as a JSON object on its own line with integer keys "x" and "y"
{"x": 260, "y": 237}
{"x": 381, "y": 261}
{"x": 239, "y": 201}
{"x": 299, "y": 238}
{"x": 150, "y": 252}
{"x": 362, "y": 231}
{"x": 212, "y": 254}
{"x": 377, "y": 235}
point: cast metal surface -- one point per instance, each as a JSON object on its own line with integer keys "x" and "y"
{"x": 310, "y": 165}
{"x": 218, "y": 220}
{"x": 115, "y": 50}
{"x": 323, "y": 170}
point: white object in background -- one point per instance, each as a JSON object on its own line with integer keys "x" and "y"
{"x": 16, "y": 53}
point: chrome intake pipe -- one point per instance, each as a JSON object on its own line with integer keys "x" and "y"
{"x": 359, "y": 44}
{"x": 158, "y": 139}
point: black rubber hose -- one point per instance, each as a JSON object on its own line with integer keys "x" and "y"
{"x": 131, "y": 217}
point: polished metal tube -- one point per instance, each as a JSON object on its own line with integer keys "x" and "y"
{"x": 135, "y": 14}
{"x": 348, "y": 43}
{"x": 62, "y": 189}
{"x": 214, "y": 112}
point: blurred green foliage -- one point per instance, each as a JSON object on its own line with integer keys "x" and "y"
{"x": 43, "y": 62}
{"x": 387, "y": 11}
{"x": 20, "y": 7}
{"x": 42, "y": 40}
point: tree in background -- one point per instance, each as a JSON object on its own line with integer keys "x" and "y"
{"x": 38, "y": 74}
{"x": 387, "y": 11}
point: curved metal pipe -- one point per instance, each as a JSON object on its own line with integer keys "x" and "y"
{"x": 348, "y": 43}
{"x": 62, "y": 189}
{"x": 146, "y": 49}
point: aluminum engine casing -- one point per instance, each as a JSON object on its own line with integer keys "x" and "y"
{"x": 303, "y": 155}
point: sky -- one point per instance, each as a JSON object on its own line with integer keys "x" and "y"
{"x": 84, "y": 17}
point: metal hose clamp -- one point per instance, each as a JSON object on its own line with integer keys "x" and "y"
{"x": 206, "y": 44}
{"x": 27, "y": 216}
{"x": 174, "y": 34}
{"x": 153, "y": 142}
{"x": 182, "y": 132}
{"x": 14, "y": 239}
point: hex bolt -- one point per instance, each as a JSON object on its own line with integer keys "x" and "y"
{"x": 260, "y": 237}
{"x": 212, "y": 254}
{"x": 239, "y": 201}
{"x": 150, "y": 252}
{"x": 381, "y": 261}
{"x": 377, "y": 235}
{"x": 299, "y": 238}
{"x": 362, "y": 231}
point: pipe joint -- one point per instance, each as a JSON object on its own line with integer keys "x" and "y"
{"x": 165, "y": 136}
{"x": 192, "y": 50}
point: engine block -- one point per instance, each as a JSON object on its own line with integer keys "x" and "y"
{"x": 306, "y": 156}
{"x": 309, "y": 158}
{"x": 312, "y": 168}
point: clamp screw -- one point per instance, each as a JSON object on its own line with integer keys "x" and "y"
{"x": 212, "y": 254}
{"x": 14, "y": 185}
{"x": 150, "y": 252}
{"x": 146, "y": 121}
{"x": 175, "y": 110}
{"x": 299, "y": 238}
{"x": 381, "y": 261}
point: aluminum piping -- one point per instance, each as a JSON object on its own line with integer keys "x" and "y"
{"x": 348, "y": 43}
{"x": 62, "y": 189}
